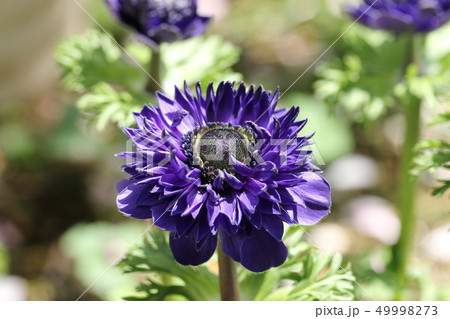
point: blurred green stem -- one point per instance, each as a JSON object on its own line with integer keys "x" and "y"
{"x": 229, "y": 286}
{"x": 154, "y": 83}
{"x": 407, "y": 185}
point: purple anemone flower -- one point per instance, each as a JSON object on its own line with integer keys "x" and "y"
{"x": 222, "y": 165}
{"x": 158, "y": 21}
{"x": 402, "y": 16}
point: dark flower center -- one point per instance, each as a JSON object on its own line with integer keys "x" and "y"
{"x": 211, "y": 147}
{"x": 173, "y": 10}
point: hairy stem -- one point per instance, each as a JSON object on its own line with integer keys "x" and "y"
{"x": 229, "y": 287}
{"x": 407, "y": 185}
{"x": 154, "y": 83}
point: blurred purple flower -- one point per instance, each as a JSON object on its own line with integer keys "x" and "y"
{"x": 402, "y": 16}
{"x": 158, "y": 21}
{"x": 261, "y": 179}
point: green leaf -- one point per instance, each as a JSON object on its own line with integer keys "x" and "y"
{"x": 307, "y": 274}
{"x": 360, "y": 83}
{"x": 431, "y": 155}
{"x": 166, "y": 276}
{"x": 204, "y": 59}
{"x": 94, "y": 57}
{"x": 439, "y": 191}
{"x": 441, "y": 118}
{"x": 105, "y": 104}
{"x": 113, "y": 86}
{"x": 364, "y": 82}
{"x": 113, "y": 83}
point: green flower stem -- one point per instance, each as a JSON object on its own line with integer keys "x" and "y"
{"x": 229, "y": 286}
{"x": 407, "y": 185}
{"x": 154, "y": 83}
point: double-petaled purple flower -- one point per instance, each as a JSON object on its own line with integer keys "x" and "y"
{"x": 402, "y": 16}
{"x": 158, "y": 21}
{"x": 223, "y": 166}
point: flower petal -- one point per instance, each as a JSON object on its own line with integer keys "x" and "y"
{"x": 247, "y": 201}
{"x": 260, "y": 251}
{"x": 185, "y": 251}
{"x": 135, "y": 200}
{"x": 273, "y": 225}
{"x": 231, "y": 244}
{"x": 316, "y": 190}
